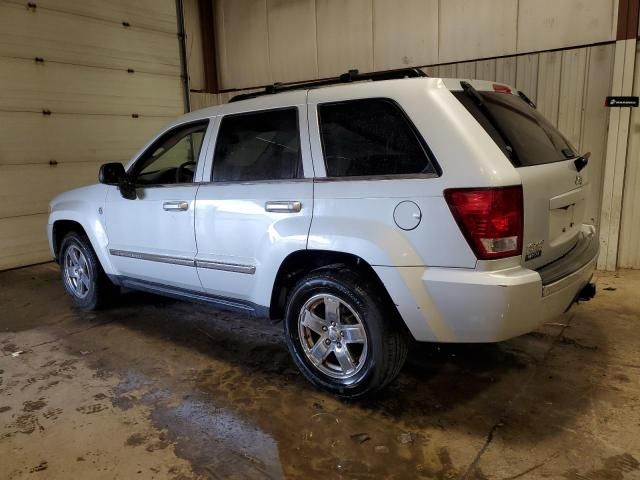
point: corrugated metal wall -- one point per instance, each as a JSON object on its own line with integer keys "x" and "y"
{"x": 488, "y": 39}
{"x": 629, "y": 243}
{"x": 102, "y": 63}
{"x": 332, "y": 36}
{"x": 265, "y": 41}
{"x": 569, "y": 88}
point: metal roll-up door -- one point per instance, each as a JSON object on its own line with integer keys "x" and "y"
{"x": 81, "y": 83}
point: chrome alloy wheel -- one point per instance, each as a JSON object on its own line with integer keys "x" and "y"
{"x": 76, "y": 272}
{"x": 333, "y": 336}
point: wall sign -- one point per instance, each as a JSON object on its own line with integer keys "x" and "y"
{"x": 621, "y": 102}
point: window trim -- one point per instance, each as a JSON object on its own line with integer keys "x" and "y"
{"x": 378, "y": 178}
{"x": 222, "y": 183}
{"x": 423, "y": 143}
{"x": 206, "y": 122}
{"x": 214, "y": 144}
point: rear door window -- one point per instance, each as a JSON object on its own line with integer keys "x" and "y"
{"x": 258, "y": 146}
{"x": 533, "y": 139}
{"x": 371, "y": 137}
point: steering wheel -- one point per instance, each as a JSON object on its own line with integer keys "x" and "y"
{"x": 181, "y": 172}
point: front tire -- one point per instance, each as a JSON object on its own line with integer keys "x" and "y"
{"x": 343, "y": 336}
{"x": 83, "y": 278}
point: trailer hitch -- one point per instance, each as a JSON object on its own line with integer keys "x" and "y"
{"x": 587, "y": 292}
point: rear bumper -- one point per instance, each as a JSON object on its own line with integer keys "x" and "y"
{"x": 562, "y": 272}
{"x": 460, "y": 305}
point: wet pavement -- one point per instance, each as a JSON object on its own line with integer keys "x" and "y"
{"x": 156, "y": 388}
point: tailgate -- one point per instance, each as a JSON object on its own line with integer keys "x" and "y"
{"x": 554, "y": 199}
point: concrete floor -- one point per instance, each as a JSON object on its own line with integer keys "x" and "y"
{"x": 155, "y": 388}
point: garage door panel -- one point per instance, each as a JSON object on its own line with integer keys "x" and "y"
{"x": 27, "y": 86}
{"x": 23, "y": 241}
{"x": 150, "y": 14}
{"x": 109, "y": 80}
{"x": 59, "y": 37}
{"x": 27, "y": 138}
{"x": 27, "y": 189}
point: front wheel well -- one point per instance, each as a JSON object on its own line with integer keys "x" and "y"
{"x": 60, "y": 229}
{"x": 299, "y": 263}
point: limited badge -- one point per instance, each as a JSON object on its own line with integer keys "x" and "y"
{"x": 534, "y": 250}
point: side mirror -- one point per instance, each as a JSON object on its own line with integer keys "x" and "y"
{"x": 112, "y": 174}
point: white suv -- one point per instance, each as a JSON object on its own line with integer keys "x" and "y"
{"x": 364, "y": 212}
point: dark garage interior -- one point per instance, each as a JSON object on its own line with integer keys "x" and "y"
{"x": 152, "y": 386}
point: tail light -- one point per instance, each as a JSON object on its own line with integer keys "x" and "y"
{"x": 490, "y": 218}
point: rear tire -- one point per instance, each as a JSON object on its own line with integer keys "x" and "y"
{"x": 82, "y": 275}
{"x": 342, "y": 335}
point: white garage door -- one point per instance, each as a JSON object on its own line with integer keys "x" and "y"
{"x": 81, "y": 83}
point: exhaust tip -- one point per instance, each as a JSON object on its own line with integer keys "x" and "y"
{"x": 587, "y": 292}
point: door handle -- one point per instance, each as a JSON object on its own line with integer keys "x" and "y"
{"x": 176, "y": 206}
{"x": 283, "y": 206}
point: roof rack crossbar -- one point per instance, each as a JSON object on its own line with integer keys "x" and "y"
{"x": 348, "y": 77}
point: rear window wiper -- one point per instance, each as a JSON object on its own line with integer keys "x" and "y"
{"x": 474, "y": 95}
{"x": 527, "y": 99}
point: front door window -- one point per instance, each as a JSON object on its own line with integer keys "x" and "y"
{"x": 172, "y": 158}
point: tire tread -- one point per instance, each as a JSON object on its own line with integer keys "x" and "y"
{"x": 105, "y": 289}
{"x": 394, "y": 345}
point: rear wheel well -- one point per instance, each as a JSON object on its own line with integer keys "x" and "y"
{"x": 299, "y": 263}
{"x": 60, "y": 229}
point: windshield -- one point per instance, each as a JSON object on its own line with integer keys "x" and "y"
{"x": 521, "y": 128}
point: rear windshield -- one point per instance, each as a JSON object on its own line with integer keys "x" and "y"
{"x": 522, "y": 133}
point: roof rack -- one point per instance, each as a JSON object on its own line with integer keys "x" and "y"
{"x": 350, "y": 76}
